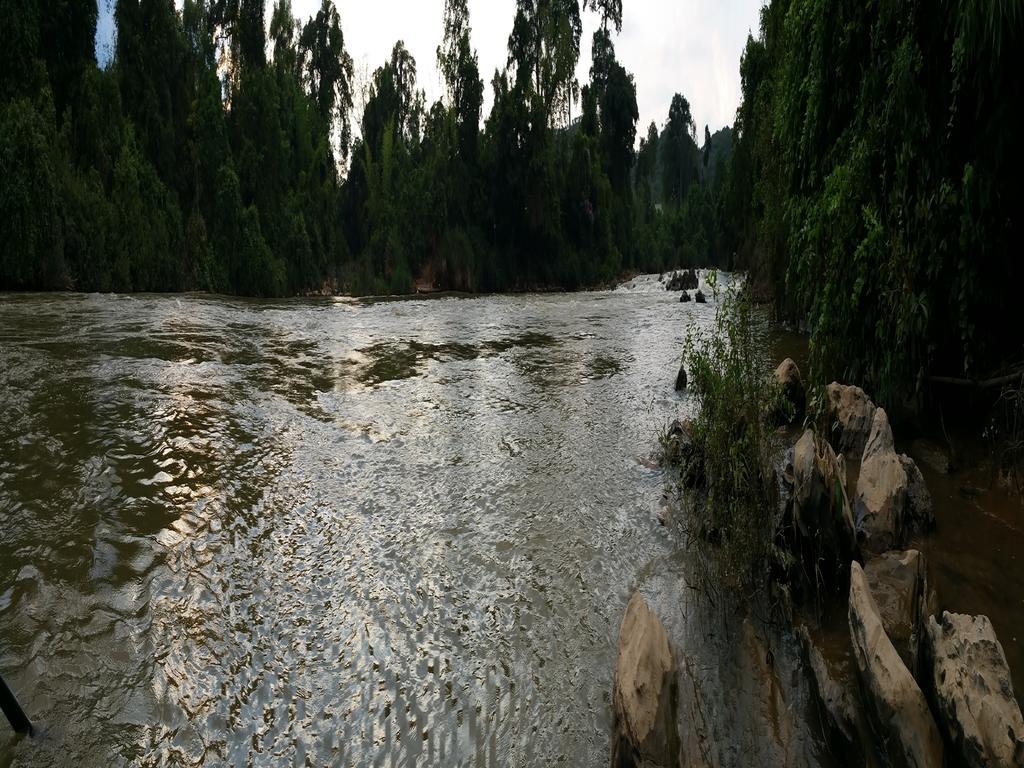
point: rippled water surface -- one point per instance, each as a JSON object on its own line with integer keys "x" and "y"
{"x": 330, "y": 531}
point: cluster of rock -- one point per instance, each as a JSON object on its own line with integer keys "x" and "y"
{"x": 925, "y": 688}
{"x": 686, "y": 280}
{"x": 927, "y": 684}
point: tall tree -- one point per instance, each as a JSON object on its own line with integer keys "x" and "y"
{"x": 609, "y": 10}
{"x": 329, "y": 72}
{"x": 544, "y": 47}
{"x": 459, "y": 66}
{"x": 679, "y": 151}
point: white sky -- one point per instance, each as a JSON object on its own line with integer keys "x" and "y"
{"x": 688, "y": 46}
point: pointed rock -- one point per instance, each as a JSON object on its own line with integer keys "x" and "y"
{"x": 898, "y": 702}
{"x": 849, "y": 412}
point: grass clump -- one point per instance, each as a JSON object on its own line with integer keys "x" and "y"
{"x": 732, "y": 436}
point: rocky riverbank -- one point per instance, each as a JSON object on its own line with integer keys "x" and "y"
{"x": 859, "y": 639}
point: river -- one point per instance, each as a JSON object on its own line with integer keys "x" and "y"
{"x": 383, "y": 533}
{"x": 394, "y": 532}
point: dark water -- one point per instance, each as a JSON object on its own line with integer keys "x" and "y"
{"x": 329, "y": 532}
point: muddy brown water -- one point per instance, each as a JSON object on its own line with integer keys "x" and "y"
{"x": 335, "y": 532}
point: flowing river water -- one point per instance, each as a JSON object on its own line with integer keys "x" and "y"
{"x": 340, "y": 532}
{"x": 327, "y": 531}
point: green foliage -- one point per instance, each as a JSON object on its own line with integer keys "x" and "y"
{"x": 730, "y": 382}
{"x": 875, "y": 175}
{"x": 31, "y": 205}
{"x": 215, "y": 152}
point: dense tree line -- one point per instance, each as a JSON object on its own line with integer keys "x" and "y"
{"x": 216, "y": 151}
{"x": 875, "y": 184}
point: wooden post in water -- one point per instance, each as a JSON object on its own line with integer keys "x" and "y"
{"x": 15, "y": 714}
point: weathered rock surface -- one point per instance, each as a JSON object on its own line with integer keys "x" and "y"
{"x": 849, "y": 412}
{"x": 681, "y": 379}
{"x": 821, "y": 509}
{"x": 974, "y": 691}
{"x": 920, "y": 512}
{"x": 792, "y": 384}
{"x": 892, "y": 500}
{"x": 897, "y": 700}
{"x": 646, "y": 692}
{"x": 899, "y": 587}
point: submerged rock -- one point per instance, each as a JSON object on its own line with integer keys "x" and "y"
{"x": 899, "y": 586}
{"x": 821, "y": 509}
{"x": 792, "y": 384}
{"x": 836, "y": 698}
{"x": 849, "y": 412}
{"x": 897, "y": 700}
{"x": 646, "y": 694}
{"x": 681, "y": 380}
{"x": 974, "y": 691}
{"x": 932, "y": 455}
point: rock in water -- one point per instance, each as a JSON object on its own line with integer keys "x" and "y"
{"x": 898, "y": 702}
{"x": 684, "y": 298}
{"x": 646, "y": 692}
{"x": 974, "y": 691}
{"x": 681, "y": 379}
{"x": 792, "y": 384}
{"x": 899, "y": 586}
{"x": 850, "y": 412}
{"x": 920, "y": 513}
{"x": 933, "y": 455}
{"x": 892, "y": 500}
{"x": 821, "y": 509}
{"x": 699, "y": 298}
{"x": 835, "y": 696}
{"x": 881, "y": 490}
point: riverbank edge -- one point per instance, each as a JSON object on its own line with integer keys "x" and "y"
{"x": 926, "y": 716}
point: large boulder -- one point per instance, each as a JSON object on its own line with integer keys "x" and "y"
{"x": 646, "y": 692}
{"x": 892, "y": 500}
{"x": 974, "y": 692}
{"x": 899, "y": 586}
{"x": 821, "y": 510}
{"x": 849, "y": 412}
{"x": 792, "y": 385}
{"x": 897, "y": 700}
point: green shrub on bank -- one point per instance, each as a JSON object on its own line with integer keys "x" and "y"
{"x": 728, "y": 378}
